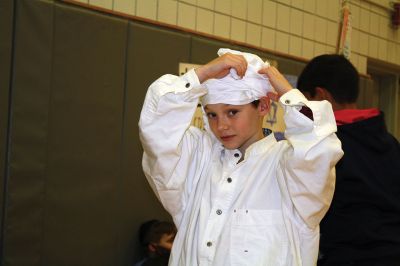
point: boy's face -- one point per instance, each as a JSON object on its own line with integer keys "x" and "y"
{"x": 166, "y": 241}
{"x": 163, "y": 246}
{"x": 237, "y": 126}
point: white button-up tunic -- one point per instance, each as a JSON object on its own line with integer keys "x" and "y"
{"x": 264, "y": 210}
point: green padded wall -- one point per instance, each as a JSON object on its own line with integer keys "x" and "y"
{"x": 151, "y": 52}
{"x": 27, "y": 150}
{"x": 82, "y": 206}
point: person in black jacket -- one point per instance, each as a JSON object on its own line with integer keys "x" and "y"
{"x": 362, "y": 226}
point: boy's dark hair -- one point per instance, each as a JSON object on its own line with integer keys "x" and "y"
{"x": 335, "y": 74}
{"x": 152, "y": 231}
{"x": 255, "y": 103}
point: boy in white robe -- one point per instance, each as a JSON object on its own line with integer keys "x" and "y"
{"x": 237, "y": 197}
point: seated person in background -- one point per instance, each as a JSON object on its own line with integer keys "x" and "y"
{"x": 156, "y": 238}
{"x": 362, "y": 226}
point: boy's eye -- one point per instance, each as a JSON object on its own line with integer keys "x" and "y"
{"x": 232, "y": 112}
{"x": 211, "y": 115}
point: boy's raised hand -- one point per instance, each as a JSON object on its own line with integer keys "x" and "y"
{"x": 278, "y": 82}
{"x": 219, "y": 67}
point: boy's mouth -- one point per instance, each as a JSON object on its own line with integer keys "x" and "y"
{"x": 227, "y": 138}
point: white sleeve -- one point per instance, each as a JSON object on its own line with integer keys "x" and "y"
{"x": 309, "y": 165}
{"x": 172, "y": 148}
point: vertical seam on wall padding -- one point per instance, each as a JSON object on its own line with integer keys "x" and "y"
{"x": 45, "y": 172}
{"x": 8, "y": 134}
{"x": 121, "y": 163}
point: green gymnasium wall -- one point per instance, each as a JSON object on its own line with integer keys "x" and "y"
{"x": 72, "y": 83}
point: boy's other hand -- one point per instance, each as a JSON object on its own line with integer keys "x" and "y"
{"x": 278, "y": 82}
{"x": 219, "y": 67}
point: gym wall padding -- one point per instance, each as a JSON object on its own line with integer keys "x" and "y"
{"x": 151, "y": 52}
{"x": 75, "y": 193}
{"x": 6, "y": 35}
{"x": 82, "y": 205}
{"x": 22, "y": 229}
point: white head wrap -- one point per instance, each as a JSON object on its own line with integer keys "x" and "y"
{"x": 233, "y": 90}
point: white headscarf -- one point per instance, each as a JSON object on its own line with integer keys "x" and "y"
{"x": 233, "y": 90}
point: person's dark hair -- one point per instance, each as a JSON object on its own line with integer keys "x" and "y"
{"x": 335, "y": 74}
{"x": 152, "y": 231}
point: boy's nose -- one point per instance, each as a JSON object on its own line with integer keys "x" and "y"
{"x": 222, "y": 124}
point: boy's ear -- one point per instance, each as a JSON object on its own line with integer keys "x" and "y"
{"x": 264, "y": 105}
{"x": 322, "y": 94}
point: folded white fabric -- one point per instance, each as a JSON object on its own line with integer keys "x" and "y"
{"x": 233, "y": 90}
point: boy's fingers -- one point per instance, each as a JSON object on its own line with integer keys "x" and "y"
{"x": 273, "y": 96}
{"x": 239, "y": 63}
{"x": 265, "y": 70}
{"x": 241, "y": 70}
{"x": 262, "y": 70}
